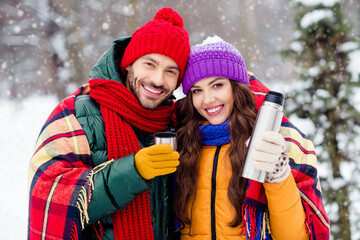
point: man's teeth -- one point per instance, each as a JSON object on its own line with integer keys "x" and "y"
{"x": 152, "y": 90}
{"x": 213, "y": 109}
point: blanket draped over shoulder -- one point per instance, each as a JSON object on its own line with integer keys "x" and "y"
{"x": 59, "y": 168}
{"x": 303, "y": 167}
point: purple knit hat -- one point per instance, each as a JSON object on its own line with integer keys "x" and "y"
{"x": 214, "y": 58}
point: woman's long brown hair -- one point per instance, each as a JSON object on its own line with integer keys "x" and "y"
{"x": 241, "y": 122}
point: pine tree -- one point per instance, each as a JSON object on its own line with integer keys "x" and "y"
{"x": 320, "y": 50}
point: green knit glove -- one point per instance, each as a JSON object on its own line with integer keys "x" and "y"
{"x": 156, "y": 160}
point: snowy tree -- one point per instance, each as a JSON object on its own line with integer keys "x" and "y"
{"x": 325, "y": 94}
{"x": 50, "y": 46}
{"x": 35, "y": 60}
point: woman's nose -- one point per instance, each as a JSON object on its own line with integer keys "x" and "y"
{"x": 208, "y": 97}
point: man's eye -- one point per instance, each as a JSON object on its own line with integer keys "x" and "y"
{"x": 173, "y": 72}
{"x": 150, "y": 64}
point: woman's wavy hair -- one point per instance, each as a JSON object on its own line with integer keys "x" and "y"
{"x": 241, "y": 122}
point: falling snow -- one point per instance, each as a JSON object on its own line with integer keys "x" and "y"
{"x": 40, "y": 37}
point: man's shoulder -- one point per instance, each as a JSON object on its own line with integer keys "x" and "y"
{"x": 86, "y": 106}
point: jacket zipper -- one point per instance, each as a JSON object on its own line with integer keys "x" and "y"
{"x": 161, "y": 206}
{"x": 213, "y": 193}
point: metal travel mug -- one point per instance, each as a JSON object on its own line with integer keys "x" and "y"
{"x": 166, "y": 137}
{"x": 268, "y": 119}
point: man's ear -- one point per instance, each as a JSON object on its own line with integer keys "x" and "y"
{"x": 127, "y": 68}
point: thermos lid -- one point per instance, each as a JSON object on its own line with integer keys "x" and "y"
{"x": 275, "y": 97}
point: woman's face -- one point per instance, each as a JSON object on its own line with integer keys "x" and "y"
{"x": 213, "y": 98}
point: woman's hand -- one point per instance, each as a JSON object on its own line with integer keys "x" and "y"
{"x": 271, "y": 156}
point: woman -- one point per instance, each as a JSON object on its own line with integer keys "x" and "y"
{"x": 216, "y": 119}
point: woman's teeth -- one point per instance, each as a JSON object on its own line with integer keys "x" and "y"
{"x": 212, "y": 110}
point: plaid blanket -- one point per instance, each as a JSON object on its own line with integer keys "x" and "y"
{"x": 60, "y": 175}
{"x": 303, "y": 160}
{"x": 58, "y": 172}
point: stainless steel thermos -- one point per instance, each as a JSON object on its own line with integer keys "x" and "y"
{"x": 166, "y": 137}
{"x": 268, "y": 119}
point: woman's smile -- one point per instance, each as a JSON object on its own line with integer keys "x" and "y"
{"x": 214, "y": 110}
{"x": 213, "y": 99}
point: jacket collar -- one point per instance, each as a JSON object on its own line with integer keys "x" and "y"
{"x": 108, "y": 66}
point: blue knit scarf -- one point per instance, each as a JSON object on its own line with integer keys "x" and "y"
{"x": 214, "y": 135}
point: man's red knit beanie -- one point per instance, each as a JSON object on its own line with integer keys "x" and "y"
{"x": 164, "y": 34}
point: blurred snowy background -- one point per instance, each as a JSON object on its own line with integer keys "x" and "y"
{"x": 48, "y": 47}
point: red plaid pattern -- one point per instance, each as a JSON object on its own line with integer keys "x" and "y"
{"x": 58, "y": 171}
{"x": 303, "y": 163}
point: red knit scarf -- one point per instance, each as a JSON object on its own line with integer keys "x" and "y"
{"x": 120, "y": 108}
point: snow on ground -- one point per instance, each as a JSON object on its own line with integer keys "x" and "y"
{"x": 21, "y": 122}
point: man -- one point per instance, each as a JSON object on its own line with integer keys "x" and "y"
{"x": 95, "y": 173}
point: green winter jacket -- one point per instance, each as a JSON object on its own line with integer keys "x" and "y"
{"x": 119, "y": 181}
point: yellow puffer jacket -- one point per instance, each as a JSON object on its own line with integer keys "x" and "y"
{"x": 212, "y": 211}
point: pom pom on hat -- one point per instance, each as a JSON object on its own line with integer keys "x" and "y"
{"x": 170, "y": 16}
{"x": 214, "y": 58}
{"x": 164, "y": 34}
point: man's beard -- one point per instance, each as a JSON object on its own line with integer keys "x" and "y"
{"x": 134, "y": 85}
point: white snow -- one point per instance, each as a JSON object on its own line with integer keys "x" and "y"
{"x": 315, "y": 16}
{"x": 354, "y": 64}
{"x": 327, "y": 3}
{"x": 58, "y": 43}
{"x": 105, "y": 26}
{"x": 348, "y": 46}
{"x": 296, "y": 46}
{"x": 20, "y": 125}
{"x": 17, "y": 29}
{"x": 127, "y": 10}
{"x": 313, "y": 71}
{"x": 212, "y": 39}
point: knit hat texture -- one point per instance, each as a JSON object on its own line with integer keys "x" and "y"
{"x": 214, "y": 58}
{"x": 164, "y": 34}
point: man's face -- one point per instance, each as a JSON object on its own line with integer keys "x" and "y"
{"x": 152, "y": 78}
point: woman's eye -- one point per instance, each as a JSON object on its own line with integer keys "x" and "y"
{"x": 217, "y": 85}
{"x": 195, "y": 91}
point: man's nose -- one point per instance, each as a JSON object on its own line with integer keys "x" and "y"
{"x": 158, "y": 78}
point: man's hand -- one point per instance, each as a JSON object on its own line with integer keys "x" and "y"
{"x": 156, "y": 160}
{"x": 271, "y": 156}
